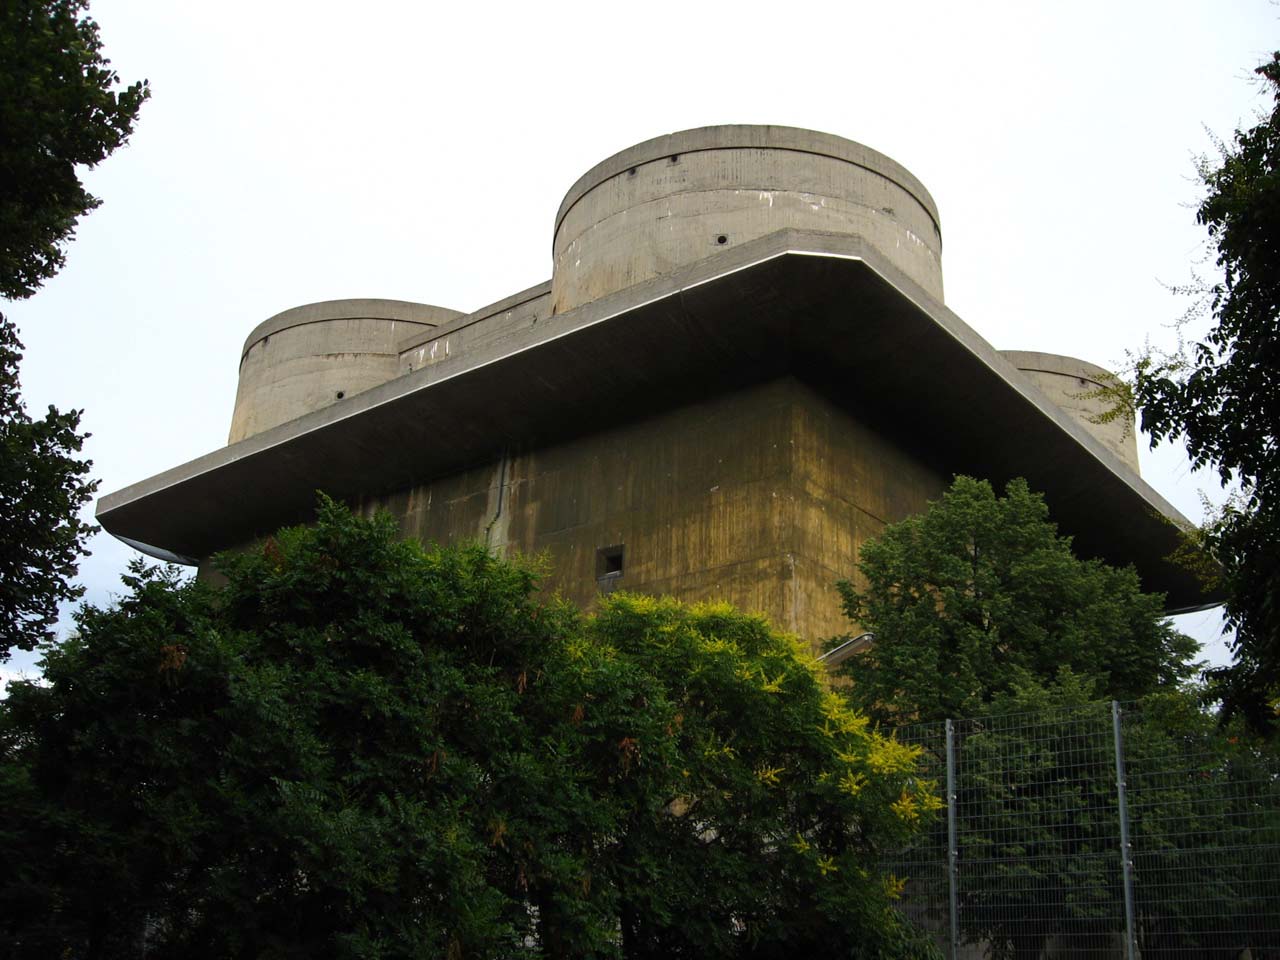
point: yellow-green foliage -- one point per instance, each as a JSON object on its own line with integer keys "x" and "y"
{"x": 769, "y": 798}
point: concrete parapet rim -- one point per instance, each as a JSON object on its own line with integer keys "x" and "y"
{"x": 1041, "y": 362}
{"x": 356, "y": 308}
{"x": 748, "y": 137}
{"x": 487, "y": 312}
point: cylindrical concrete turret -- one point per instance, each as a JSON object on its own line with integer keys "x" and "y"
{"x": 1073, "y": 385}
{"x": 315, "y": 355}
{"x": 674, "y": 200}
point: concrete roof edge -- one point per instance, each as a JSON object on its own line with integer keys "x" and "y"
{"x": 720, "y": 265}
{"x": 158, "y": 553}
{"x": 733, "y": 260}
{"x": 977, "y": 345}
{"x": 780, "y": 243}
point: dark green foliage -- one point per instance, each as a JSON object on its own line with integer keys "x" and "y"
{"x": 1205, "y": 803}
{"x": 1039, "y": 839}
{"x": 1222, "y": 397}
{"x": 59, "y": 110}
{"x": 358, "y": 748}
{"x": 981, "y": 611}
{"x": 980, "y": 594}
{"x": 43, "y": 485}
{"x": 1038, "y": 786}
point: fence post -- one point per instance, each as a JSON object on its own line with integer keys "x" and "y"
{"x": 1126, "y": 848}
{"x": 953, "y": 846}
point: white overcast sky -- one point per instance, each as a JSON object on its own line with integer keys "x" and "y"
{"x": 296, "y": 152}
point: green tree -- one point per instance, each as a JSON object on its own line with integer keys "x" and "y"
{"x": 1206, "y": 830}
{"x": 1221, "y": 396}
{"x": 60, "y": 111}
{"x": 357, "y": 747}
{"x": 1038, "y": 836}
{"x": 43, "y": 485}
{"x": 982, "y": 615}
{"x": 979, "y": 594}
{"x": 761, "y": 829}
{"x": 1037, "y": 783}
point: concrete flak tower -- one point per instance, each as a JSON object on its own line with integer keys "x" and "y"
{"x": 679, "y": 198}
{"x": 740, "y": 370}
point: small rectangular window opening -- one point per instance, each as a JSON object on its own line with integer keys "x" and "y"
{"x": 609, "y": 564}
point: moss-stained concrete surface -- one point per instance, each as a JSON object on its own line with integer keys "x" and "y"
{"x": 759, "y": 497}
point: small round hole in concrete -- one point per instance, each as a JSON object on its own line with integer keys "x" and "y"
{"x": 631, "y": 172}
{"x": 722, "y": 239}
{"x": 340, "y": 394}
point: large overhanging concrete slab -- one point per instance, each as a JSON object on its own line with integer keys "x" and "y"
{"x": 825, "y": 308}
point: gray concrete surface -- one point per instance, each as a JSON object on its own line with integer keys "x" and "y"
{"x": 319, "y": 354}
{"x": 671, "y": 201}
{"x": 740, "y": 370}
{"x": 1074, "y": 385}
{"x": 475, "y": 330}
{"x": 829, "y": 310}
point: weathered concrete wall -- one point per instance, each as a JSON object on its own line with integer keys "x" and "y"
{"x": 316, "y": 355}
{"x": 850, "y": 481}
{"x": 1067, "y": 382}
{"x": 760, "y": 498}
{"x": 477, "y": 330}
{"x": 671, "y": 201}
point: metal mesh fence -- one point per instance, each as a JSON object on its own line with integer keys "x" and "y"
{"x": 1102, "y": 830}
